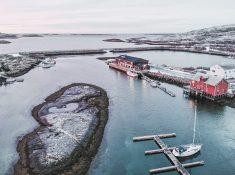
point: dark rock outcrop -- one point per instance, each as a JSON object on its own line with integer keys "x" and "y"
{"x": 15, "y": 65}
{"x": 4, "y": 42}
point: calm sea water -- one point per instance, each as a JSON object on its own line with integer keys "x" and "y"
{"x": 135, "y": 109}
{"x": 63, "y": 42}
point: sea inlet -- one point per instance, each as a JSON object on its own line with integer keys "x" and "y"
{"x": 135, "y": 109}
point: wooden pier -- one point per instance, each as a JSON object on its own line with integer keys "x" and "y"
{"x": 158, "y": 85}
{"x": 169, "y": 79}
{"x": 176, "y": 164}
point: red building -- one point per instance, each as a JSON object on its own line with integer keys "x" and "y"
{"x": 130, "y": 62}
{"x": 126, "y": 63}
{"x": 212, "y": 86}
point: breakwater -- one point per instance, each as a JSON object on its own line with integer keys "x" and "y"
{"x": 124, "y": 50}
{"x": 64, "y": 52}
{"x": 168, "y": 48}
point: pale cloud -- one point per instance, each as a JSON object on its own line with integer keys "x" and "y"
{"x": 112, "y": 16}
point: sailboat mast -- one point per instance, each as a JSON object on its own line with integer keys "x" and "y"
{"x": 195, "y": 120}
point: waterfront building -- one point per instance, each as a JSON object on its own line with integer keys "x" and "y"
{"x": 130, "y": 65}
{"x": 211, "y": 86}
{"x": 223, "y": 71}
{"x": 231, "y": 87}
{"x": 132, "y": 62}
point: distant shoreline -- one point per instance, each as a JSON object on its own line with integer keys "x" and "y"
{"x": 34, "y": 58}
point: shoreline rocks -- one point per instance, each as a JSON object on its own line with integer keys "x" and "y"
{"x": 113, "y": 40}
{"x": 32, "y": 35}
{"x": 8, "y": 36}
{"x": 72, "y": 122}
{"x": 4, "y": 42}
{"x": 16, "y": 65}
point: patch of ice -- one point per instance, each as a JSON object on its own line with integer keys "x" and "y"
{"x": 66, "y": 108}
{"x": 67, "y": 131}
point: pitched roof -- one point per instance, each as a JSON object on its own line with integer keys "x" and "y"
{"x": 133, "y": 59}
{"x": 210, "y": 80}
{"x": 213, "y": 80}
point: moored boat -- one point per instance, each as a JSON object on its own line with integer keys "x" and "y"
{"x": 10, "y": 80}
{"x": 131, "y": 73}
{"x": 109, "y": 61}
{"x": 153, "y": 84}
{"x": 187, "y": 150}
{"x": 47, "y": 63}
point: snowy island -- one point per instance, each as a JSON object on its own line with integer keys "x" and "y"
{"x": 72, "y": 122}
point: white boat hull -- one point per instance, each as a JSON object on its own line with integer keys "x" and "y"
{"x": 131, "y": 74}
{"x": 191, "y": 150}
{"x": 153, "y": 84}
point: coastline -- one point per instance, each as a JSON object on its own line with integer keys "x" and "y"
{"x": 32, "y": 59}
{"x": 81, "y": 156}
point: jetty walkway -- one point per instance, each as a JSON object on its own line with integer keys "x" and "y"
{"x": 167, "y": 151}
{"x": 156, "y": 84}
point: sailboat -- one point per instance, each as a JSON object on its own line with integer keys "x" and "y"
{"x": 189, "y": 149}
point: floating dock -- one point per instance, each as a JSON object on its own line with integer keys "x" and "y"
{"x": 158, "y": 85}
{"x": 176, "y": 164}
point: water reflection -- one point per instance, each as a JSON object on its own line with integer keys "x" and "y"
{"x": 212, "y": 108}
{"x": 132, "y": 84}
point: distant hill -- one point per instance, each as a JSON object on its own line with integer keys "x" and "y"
{"x": 218, "y": 34}
{"x": 7, "y": 36}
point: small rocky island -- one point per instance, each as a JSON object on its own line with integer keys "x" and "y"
{"x": 72, "y": 122}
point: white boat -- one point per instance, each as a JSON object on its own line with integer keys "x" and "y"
{"x": 10, "y": 80}
{"x": 189, "y": 149}
{"x": 43, "y": 65}
{"x": 47, "y": 63}
{"x": 131, "y": 73}
{"x": 153, "y": 84}
{"x": 19, "y": 79}
{"x": 110, "y": 61}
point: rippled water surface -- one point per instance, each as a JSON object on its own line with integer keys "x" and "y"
{"x": 135, "y": 109}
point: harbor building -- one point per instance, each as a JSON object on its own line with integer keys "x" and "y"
{"x": 210, "y": 87}
{"x": 223, "y": 71}
{"x": 132, "y": 62}
{"x": 129, "y": 64}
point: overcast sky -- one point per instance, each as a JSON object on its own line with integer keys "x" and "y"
{"x": 113, "y": 16}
